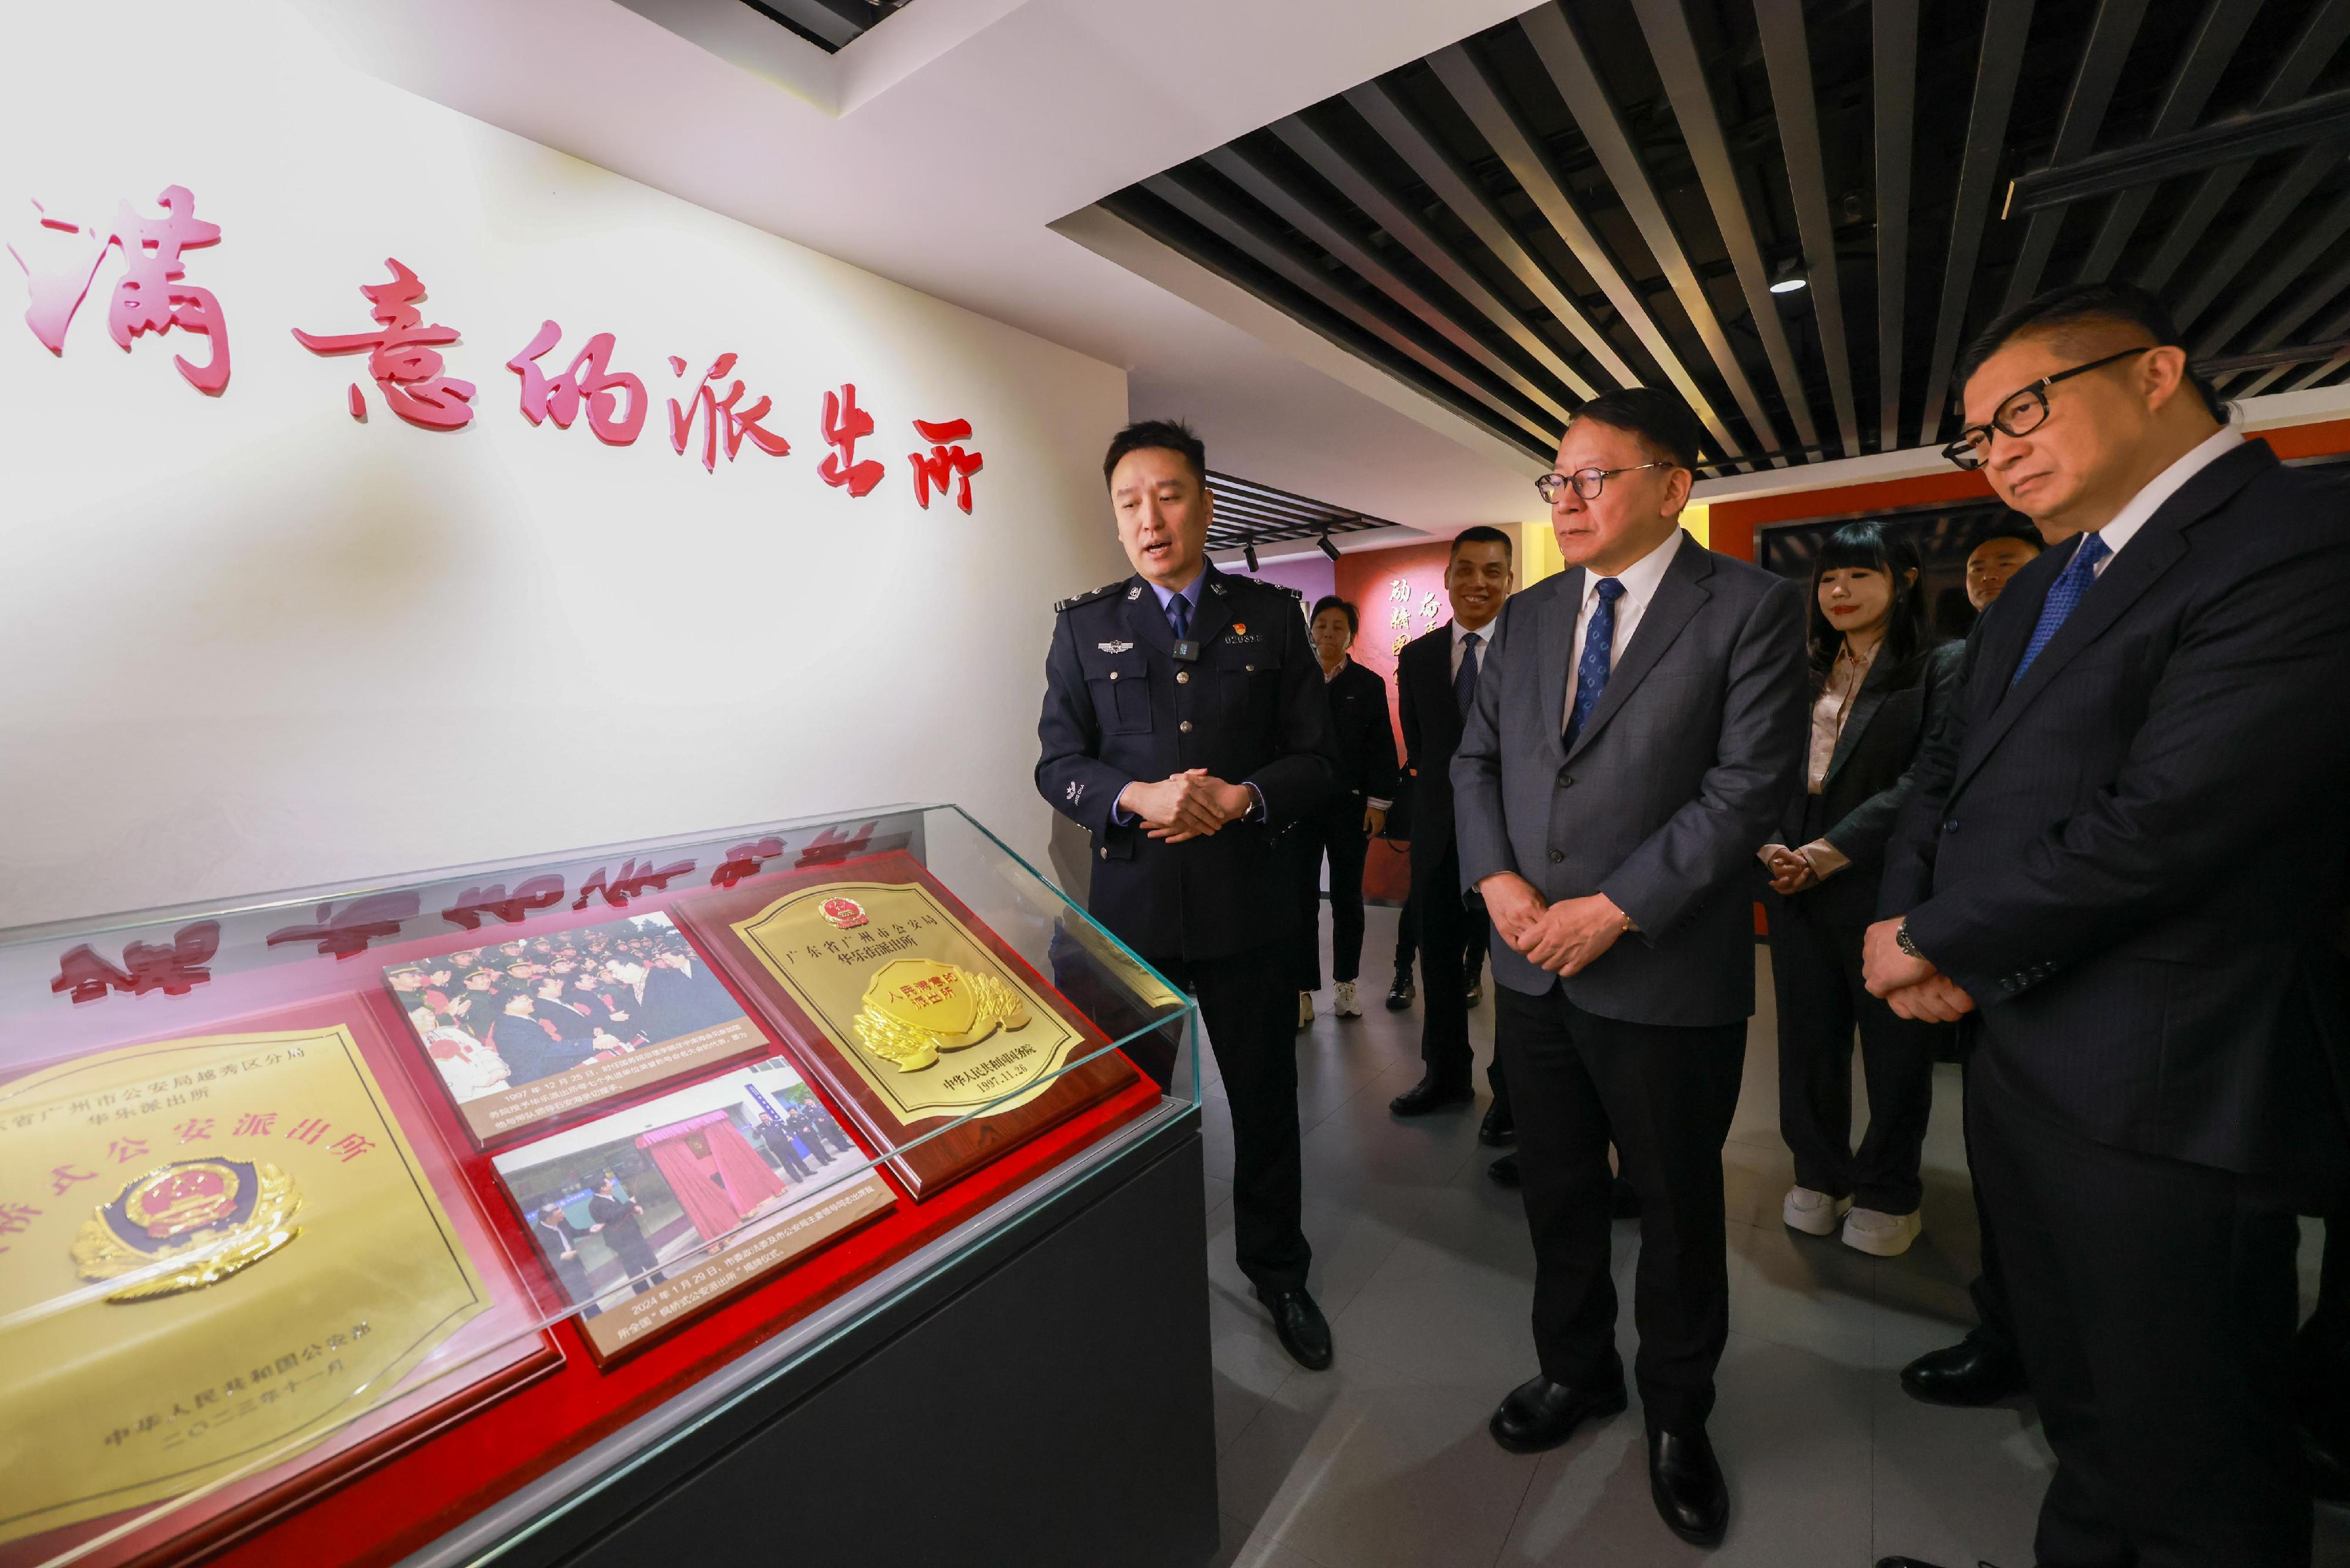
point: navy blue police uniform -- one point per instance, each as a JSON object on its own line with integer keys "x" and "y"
{"x": 1242, "y": 698}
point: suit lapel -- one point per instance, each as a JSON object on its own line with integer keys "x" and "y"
{"x": 1144, "y": 618}
{"x": 1554, "y": 643}
{"x": 2126, "y": 579}
{"x": 1875, "y": 687}
{"x": 1679, "y": 598}
{"x": 1215, "y": 611}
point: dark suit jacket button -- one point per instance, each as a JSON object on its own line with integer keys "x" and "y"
{"x": 1951, "y": 826}
{"x": 1556, "y": 855}
{"x": 1565, "y": 778}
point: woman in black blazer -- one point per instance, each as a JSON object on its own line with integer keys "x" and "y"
{"x": 1368, "y": 777}
{"x": 1877, "y": 688}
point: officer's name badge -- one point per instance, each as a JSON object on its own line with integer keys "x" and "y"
{"x": 1119, "y": 645}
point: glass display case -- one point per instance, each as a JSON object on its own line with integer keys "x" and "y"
{"x": 422, "y": 1190}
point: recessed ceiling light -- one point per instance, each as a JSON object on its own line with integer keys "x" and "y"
{"x": 1790, "y": 285}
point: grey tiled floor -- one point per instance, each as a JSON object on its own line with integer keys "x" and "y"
{"x": 1424, "y": 1268}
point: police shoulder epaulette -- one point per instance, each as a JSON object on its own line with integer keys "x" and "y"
{"x": 1085, "y": 598}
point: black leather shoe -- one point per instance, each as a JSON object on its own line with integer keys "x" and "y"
{"x": 1539, "y": 1414}
{"x": 1428, "y": 1095}
{"x": 2329, "y": 1467}
{"x": 1685, "y": 1479}
{"x": 1400, "y": 993}
{"x": 1914, "y": 1563}
{"x": 1623, "y": 1199}
{"x": 1503, "y": 1172}
{"x": 1498, "y": 1130}
{"x": 1304, "y": 1332}
{"x": 1476, "y": 992}
{"x": 1968, "y": 1373}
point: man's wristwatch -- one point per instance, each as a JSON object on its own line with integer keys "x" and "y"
{"x": 1901, "y": 939}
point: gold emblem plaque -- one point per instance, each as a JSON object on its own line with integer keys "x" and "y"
{"x": 210, "y": 1249}
{"x": 932, "y": 1023}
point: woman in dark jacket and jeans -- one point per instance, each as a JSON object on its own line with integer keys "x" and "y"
{"x": 1877, "y": 689}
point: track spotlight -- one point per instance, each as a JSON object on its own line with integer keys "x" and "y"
{"x": 1326, "y": 548}
{"x": 1788, "y": 278}
{"x": 1248, "y": 554}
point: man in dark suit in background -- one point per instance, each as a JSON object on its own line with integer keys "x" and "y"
{"x": 1184, "y": 726}
{"x": 1436, "y": 680}
{"x": 2130, "y": 871}
{"x": 1637, "y": 733}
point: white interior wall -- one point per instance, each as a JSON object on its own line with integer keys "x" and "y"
{"x": 250, "y": 643}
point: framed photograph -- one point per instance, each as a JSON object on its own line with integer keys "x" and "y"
{"x": 530, "y": 1031}
{"x": 645, "y": 1216}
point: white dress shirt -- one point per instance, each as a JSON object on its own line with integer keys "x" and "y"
{"x": 1640, "y": 580}
{"x": 1485, "y": 635}
{"x": 2161, "y": 488}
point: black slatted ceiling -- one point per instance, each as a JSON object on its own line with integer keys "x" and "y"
{"x": 1603, "y": 191}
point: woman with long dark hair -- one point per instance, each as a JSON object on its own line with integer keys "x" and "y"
{"x": 1878, "y": 686}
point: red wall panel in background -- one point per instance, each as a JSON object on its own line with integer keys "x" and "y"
{"x": 1400, "y": 593}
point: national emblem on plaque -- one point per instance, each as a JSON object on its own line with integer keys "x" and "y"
{"x": 210, "y": 1217}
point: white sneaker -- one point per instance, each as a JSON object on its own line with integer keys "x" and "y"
{"x": 1346, "y": 1006}
{"x": 1305, "y": 1010}
{"x": 1879, "y": 1234}
{"x": 1813, "y": 1213}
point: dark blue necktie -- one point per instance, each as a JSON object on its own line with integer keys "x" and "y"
{"x": 1464, "y": 684}
{"x": 1599, "y": 657}
{"x": 2064, "y": 595}
{"x": 1179, "y": 616}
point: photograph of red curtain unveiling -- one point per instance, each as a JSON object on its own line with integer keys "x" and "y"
{"x": 717, "y": 1178}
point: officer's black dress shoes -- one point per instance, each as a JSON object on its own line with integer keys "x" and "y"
{"x": 2329, "y": 1467}
{"x": 1539, "y": 1414}
{"x": 1400, "y": 993}
{"x": 1968, "y": 1373}
{"x": 1503, "y": 1172}
{"x": 1429, "y": 1095}
{"x": 1685, "y": 1479}
{"x": 1498, "y": 1130}
{"x": 1304, "y": 1332}
{"x": 1916, "y": 1562}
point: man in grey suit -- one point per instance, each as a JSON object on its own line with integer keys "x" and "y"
{"x": 1639, "y": 730}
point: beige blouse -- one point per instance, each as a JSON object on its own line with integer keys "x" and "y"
{"x": 1835, "y": 706}
{"x": 1829, "y": 716}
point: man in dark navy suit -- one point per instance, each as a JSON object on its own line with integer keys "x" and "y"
{"x": 1436, "y": 682}
{"x": 2123, "y": 878}
{"x": 1184, "y": 726}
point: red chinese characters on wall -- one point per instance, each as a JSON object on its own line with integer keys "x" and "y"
{"x": 844, "y": 424}
{"x": 590, "y": 382}
{"x": 932, "y": 471}
{"x": 153, "y": 295}
{"x": 403, "y": 356}
{"x": 715, "y": 412}
{"x": 405, "y": 359}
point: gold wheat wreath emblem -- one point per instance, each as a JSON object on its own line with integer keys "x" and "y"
{"x": 916, "y": 1008}
{"x": 215, "y": 1216}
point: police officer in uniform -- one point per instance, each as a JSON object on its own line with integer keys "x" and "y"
{"x": 1184, "y": 726}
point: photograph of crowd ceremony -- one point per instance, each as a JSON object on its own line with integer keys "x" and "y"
{"x": 624, "y": 1200}
{"x": 589, "y": 1003}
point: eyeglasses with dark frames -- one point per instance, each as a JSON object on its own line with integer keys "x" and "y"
{"x": 2023, "y": 410}
{"x": 1587, "y": 482}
